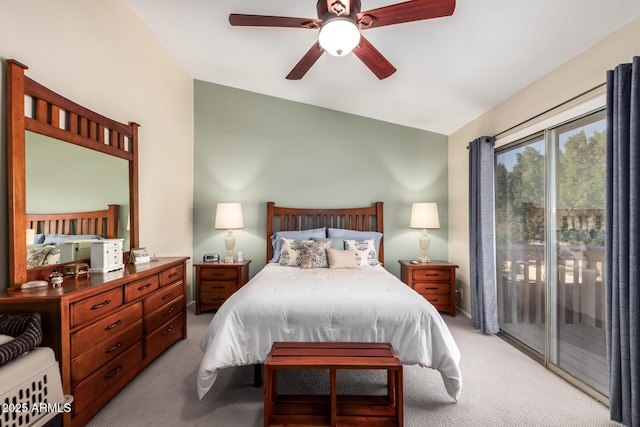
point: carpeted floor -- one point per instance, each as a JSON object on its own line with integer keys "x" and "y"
{"x": 501, "y": 387}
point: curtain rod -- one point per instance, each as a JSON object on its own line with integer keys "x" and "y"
{"x": 551, "y": 109}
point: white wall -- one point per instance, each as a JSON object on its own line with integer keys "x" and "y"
{"x": 578, "y": 75}
{"x": 101, "y": 55}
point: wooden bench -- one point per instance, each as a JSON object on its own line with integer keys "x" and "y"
{"x": 333, "y": 410}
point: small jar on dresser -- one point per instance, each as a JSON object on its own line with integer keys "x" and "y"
{"x": 217, "y": 281}
{"x": 435, "y": 281}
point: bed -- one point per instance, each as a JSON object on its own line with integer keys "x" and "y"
{"x": 46, "y": 232}
{"x": 294, "y": 299}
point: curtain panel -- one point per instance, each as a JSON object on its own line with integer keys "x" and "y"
{"x": 484, "y": 306}
{"x": 622, "y": 244}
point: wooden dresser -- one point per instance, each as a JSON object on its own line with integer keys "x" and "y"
{"x": 217, "y": 281}
{"x": 106, "y": 328}
{"x": 436, "y": 281}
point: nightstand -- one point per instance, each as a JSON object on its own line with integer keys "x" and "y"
{"x": 217, "y": 281}
{"x": 436, "y": 281}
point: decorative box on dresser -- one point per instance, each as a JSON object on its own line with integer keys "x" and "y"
{"x": 217, "y": 281}
{"x": 106, "y": 328}
{"x": 436, "y": 281}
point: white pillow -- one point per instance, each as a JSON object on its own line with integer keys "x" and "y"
{"x": 291, "y": 252}
{"x": 366, "y": 254}
{"x": 342, "y": 258}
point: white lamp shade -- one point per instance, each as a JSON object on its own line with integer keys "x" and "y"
{"x": 229, "y": 216}
{"x": 339, "y": 36}
{"x": 424, "y": 215}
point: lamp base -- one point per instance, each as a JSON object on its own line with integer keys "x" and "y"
{"x": 422, "y": 260}
{"x": 229, "y": 243}
{"x": 425, "y": 243}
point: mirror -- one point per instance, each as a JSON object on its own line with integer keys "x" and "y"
{"x": 70, "y": 124}
{"x": 63, "y": 177}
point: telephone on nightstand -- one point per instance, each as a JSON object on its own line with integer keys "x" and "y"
{"x": 211, "y": 257}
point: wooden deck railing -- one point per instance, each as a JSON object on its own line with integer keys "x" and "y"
{"x": 522, "y": 284}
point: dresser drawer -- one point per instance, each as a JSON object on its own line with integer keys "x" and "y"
{"x": 160, "y": 339}
{"x": 160, "y": 298}
{"x": 224, "y": 287}
{"x": 104, "y": 329}
{"x": 219, "y": 274}
{"x": 171, "y": 275}
{"x": 106, "y": 380}
{"x": 163, "y": 314}
{"x": 91, "y": 308}
{"x": 432, "y": 288}
{"x": 104, "y": 351}
{"x": 431, "y": 274}
{"x": 140, "y": 288}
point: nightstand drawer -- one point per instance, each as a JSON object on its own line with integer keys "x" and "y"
{"x": 224, "y": 287}
{"x": 432, "y": 275}
{"x": 439, "y": 301}
{"x": 219, "y": 274}
{"x": 214, "y": 298}
{"x": 425, "y": 288}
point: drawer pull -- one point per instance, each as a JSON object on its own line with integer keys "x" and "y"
{"x": 142, "y": 288}
{"x": 169, "y": 295}
{"x": 168, "y": 312}
{"x": 98, "y": 306}
{"x": 431, "y": 274}
{"x": 113, "y": 325}
{"x": 114, "y": 348}
{"x": 218, "y": 274}
{"x": 113, "y": 372}
{"x": 172, "y": 275}
{"x": 166, "y": 331}
{"x": 217, "y": 287}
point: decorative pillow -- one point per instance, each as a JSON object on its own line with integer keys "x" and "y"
{"x": 314, "y": 254}
{"x": 335, "y": 243}
{"x": 366, "y": 254}
{"x": 276, "y": 239}
{"x": 355, "y": 235}
{"x": 291, "y": 253}
{"x": 31, "y": 236}
{"x": 342, "y": 258}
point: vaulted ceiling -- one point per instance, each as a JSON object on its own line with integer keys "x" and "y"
{"x": 449, "y": 70}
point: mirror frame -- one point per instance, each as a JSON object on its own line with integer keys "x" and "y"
{"x": 83, "y": 127}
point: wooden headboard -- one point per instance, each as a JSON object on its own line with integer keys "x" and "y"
{"x": 369, "y": 218}
{"x": 102, "y": 223}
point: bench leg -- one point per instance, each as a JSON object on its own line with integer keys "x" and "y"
{"x": 257, "y": 375}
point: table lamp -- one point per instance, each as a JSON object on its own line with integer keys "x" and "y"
{"x": 424, "y": 215}
{"x": 229, "y": 217}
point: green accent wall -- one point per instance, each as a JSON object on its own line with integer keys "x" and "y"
{"x": 252, "y": 148}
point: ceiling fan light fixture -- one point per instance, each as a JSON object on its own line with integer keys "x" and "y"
{"x": 339, "y": 36}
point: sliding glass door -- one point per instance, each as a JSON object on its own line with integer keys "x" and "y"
{"x": 550, "y": 246}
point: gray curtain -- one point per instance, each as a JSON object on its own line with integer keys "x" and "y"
{"x": 622, "y": 245}
{"x": 484, "y": 310}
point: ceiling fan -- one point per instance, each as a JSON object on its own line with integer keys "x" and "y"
{"x": 340, "y": 22}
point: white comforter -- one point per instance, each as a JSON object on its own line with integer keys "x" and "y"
{"x": 293, "y": 304}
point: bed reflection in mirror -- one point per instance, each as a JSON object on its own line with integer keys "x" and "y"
{"x": 64, "y": 178}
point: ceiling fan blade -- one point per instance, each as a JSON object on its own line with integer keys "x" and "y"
{"x": 409, "y": 11}
{"x": 237, "y": 19}
{"x": 372, "y": 58}
{"x": 306, "y": 62}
